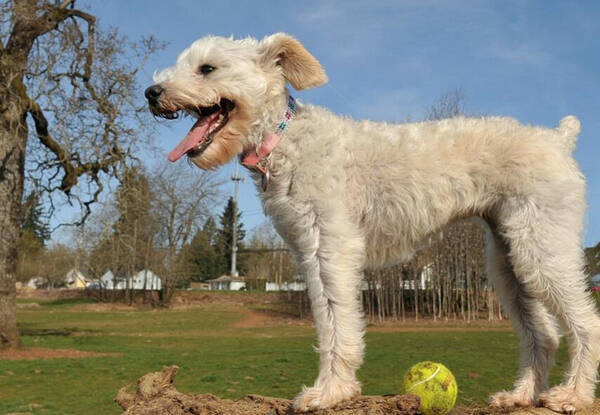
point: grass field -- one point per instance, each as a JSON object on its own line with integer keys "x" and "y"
{"x": 220, "y": 350}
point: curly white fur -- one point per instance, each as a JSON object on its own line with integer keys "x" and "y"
{"x": 349, "y": 194}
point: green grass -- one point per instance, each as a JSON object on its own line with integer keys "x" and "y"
{"x": 215, "y": 357}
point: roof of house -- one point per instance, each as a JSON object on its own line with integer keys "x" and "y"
{"x": 75, "y": 274}
{"x": 228, "y": 278}
{"x": 108, "y": 276}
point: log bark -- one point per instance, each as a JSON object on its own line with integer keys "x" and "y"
{"x": 156, "y": 394}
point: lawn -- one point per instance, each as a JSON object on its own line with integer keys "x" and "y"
{"x": 216, "y": 354}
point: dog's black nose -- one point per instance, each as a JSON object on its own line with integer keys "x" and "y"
{"x": 152, "y": 93}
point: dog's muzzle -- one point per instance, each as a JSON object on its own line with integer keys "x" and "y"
{"x": 152, "y": 94}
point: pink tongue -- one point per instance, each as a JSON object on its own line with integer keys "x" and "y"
{"x": 195, "y": 136}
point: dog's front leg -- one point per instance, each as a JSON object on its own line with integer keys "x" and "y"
{"x": 333, "y": 269}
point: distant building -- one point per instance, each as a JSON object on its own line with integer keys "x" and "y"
{"x": 75, "y": 280}
{"x": 297, "y": 284}
{"x": 36, "y": 283}
{"x": 145, "y": 279}
{"x": 108, "y": 281}
{"x": 285, "y": 286}
{"x": 422, "y": 280}
{"x": 199, "y": 286}
{"x": 227, "y": 283}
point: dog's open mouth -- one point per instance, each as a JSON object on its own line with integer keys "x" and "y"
{"x": 210, "y": 121}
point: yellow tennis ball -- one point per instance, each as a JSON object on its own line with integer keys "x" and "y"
{"x": 434, "y": 384}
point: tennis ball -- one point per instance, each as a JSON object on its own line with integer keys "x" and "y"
{"x": 434, "y": 384}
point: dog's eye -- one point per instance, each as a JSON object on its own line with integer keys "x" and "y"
{"x": 206, "y": 69}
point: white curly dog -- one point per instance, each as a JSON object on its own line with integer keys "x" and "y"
{"x": 348, "y": 195}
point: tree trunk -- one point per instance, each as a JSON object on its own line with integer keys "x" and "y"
{"x": 416, "y": 292}
{"x": 13, "y": 139}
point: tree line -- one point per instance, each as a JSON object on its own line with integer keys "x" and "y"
{"x": 162, "y": 222}
{"x": 446, "y": 280}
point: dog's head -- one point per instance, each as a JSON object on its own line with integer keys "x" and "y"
{"x": 229, "y": 86}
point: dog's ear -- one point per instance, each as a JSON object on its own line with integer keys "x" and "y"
{"x": 300, "y": 68}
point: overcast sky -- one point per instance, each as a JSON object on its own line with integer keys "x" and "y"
{"x": 536, "y": 61}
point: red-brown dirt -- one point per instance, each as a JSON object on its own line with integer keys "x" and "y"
{"x": 35, "y": 353}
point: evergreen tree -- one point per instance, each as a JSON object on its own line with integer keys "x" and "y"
{"x": 200, "y": 258}
{"x": 32, "y": 218}
{"x": 225, "y": 234}
{"x": 31, "y": 252}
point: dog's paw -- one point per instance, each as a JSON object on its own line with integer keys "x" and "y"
{"x": 564, "y": 399}
{"x": 511, "y": 400}
{"x": 325, "y": 395}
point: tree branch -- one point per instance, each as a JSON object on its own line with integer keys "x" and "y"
{"x": 72, "y": 172}
{"x": 26, "y": 29}
{"x": 66, "y": 3}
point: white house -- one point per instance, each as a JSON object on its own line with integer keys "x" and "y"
{"x": 422, "y": 280}
{"x": 144, "y": 279}
{"x": 108, "y": 281}
{"x": 75, "y": 280}
{"x": 227, "y": 283}
{"x": 285, "y": 286}
{"x": 37, "y": 282}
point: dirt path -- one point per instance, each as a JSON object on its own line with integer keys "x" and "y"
{"x": 252, "y": 319}
{"x": 417, "y": 329}
{"x": 35, "y": 353}
{"x": 268, "y": 318}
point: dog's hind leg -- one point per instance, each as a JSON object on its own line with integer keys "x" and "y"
{"x": 543, "y": 235}
{"x": 536, "y": 328}
{"x": 331, "y": 251}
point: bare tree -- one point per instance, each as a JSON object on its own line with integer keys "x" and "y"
{"x": 183, "y": 200}
{"x": 74, "y": 85}
{"x": 450, "y": 104}
{"x": 93, "y": 239}
{"x": 267, "y": 258}
{"x": 58, "y": 260}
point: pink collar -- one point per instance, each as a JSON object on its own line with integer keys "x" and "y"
{"x": 258, "y": 159}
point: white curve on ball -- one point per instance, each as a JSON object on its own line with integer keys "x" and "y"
{"x": 425, "y": 380}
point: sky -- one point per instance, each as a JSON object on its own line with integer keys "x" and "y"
{"x": 536, "y": 61}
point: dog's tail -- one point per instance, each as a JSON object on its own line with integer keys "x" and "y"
{"x": 568, "y": 130}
